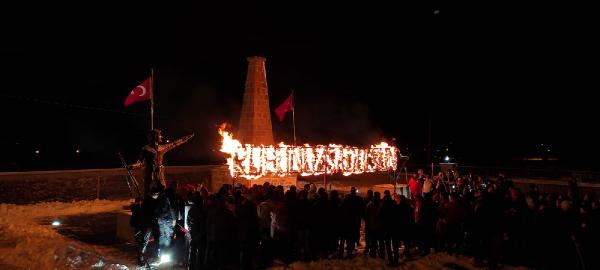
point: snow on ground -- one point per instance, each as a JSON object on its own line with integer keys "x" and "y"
{"x": 26, "y": 244}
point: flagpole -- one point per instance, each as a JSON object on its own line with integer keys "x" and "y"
{"x": 294, "y": 116}
{"x": 152, "y": 99}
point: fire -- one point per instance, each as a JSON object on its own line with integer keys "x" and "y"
{"x": 254, "y": 161}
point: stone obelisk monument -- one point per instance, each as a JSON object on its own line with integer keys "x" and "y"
{"x": 255, "y": 119}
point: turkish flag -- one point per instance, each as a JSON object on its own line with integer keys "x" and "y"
{"x": 139, "y": 93}
{"x": 285, "y": 107}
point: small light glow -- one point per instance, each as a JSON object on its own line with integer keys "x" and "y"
{"x": 77, "y": 151}
{"x": 37, "y": 151}
{"x": 55, "y": 223}
{"x": 165, "y": 258}
{"x": 167, "y": 141}
{"x": 447, "y": 158}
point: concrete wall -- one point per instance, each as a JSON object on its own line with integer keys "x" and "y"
{"x": 40, "y": 186}
{"x": 286, "y": 181}
{"x": 343, "y": 183}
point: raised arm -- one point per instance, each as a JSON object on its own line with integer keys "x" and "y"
{"x": 178, "y": 142}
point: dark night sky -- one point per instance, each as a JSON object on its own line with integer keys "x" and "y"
{"x": 499, "y": 79}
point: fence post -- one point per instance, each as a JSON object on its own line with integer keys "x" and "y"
{"x": 431, "y": 169}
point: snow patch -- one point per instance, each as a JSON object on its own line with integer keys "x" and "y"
{"x": 29, "y": 245}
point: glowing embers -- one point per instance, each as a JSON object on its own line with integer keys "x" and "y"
{"x": 253, "y": 161}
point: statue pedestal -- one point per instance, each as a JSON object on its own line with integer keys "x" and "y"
{"x": 124, "y": 230}
{"x": 218, "y": 177}
{"x": 285, "y": 181}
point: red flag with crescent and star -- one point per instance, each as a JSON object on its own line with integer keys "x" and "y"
{"x": 286, "y": 106}
{"x": 139, "y": 93}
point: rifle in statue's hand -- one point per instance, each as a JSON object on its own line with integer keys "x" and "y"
{"x": 130, "y": 178}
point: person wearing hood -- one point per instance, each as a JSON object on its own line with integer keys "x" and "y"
{"x": 166, "y": 217}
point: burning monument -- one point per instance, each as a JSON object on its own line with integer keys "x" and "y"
{"x": 254, "y": 155}
{"x": 255, "y": 126}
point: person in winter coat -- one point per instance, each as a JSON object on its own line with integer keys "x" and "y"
{"x": 334, "y": 223}
{"x": 221, "y": 234}
{"x": 405, "y": 215}
{"x": 178, "y": 205}
{"x": 312, "y": 192}
{"x": 165, "y": 216}
{"x": 196, "y": 221}
{"x": 301, "y": 220}
{"x": 266, "y": 240}
{"x": 390, "y": 221}
{"x": 145, "y": 224}
{"x": 248, "y": 232}
{"x": 280, "y": 227}
{"x": 373, "y": 219}
{"x": 425, "y": 219}
{"x": 319, "y": 220}
{"x": 452, "y": 214}
{"x": 415, "y": 187}
{"x": 351, "y": 211}
{"x": 366, "y": 201}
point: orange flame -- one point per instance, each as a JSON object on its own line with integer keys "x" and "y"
{"x": 254, "y": 161}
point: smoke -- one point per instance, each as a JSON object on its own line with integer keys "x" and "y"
{"x": 199, "y": 109}
{"x": 323, "y": 118}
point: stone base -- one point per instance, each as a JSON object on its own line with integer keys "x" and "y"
{"x": 285, "y": 181}
{"x": 124, "y": 230}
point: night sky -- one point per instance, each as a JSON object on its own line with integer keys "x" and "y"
{"x": 499, "y": 79}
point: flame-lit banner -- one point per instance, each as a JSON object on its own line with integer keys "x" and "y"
{"x": 253, "y": 161}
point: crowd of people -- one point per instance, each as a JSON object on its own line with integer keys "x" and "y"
{"x": 255, "y": 227}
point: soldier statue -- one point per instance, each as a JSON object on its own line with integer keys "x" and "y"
{"x": 151, "y": 158}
